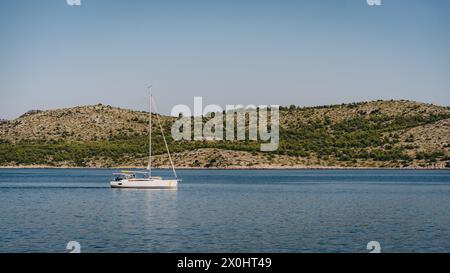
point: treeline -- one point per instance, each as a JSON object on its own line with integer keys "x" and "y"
{"x": 362, "y": 138}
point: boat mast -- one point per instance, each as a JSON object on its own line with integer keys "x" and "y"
{"x": 164, "y": 138}
{"x": 150, "y": 136}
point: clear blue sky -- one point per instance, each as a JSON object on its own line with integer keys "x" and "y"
{"x": 309, "y": 52}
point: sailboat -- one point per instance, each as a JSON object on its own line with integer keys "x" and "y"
{"x": 145, "y": 180}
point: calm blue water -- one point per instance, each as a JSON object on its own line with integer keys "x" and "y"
{"x": 227, "y": 211}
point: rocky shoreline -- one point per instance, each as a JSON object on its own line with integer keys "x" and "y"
{"x": 229, "y": 168}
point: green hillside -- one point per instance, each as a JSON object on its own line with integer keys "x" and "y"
{"x": 368, "y": 134}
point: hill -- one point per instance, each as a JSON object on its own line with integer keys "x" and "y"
{"x": 393, "y": 134}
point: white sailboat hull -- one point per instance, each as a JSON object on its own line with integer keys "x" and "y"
{"x": 145, "y": 184}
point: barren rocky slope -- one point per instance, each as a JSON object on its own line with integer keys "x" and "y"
{"x": 367, "y": 134}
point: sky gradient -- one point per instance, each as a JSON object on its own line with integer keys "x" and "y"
{"x": 310, "y": 52}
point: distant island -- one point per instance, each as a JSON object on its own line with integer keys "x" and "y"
{"x": 376, "y": 134}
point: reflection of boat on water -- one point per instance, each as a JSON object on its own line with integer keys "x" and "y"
{"x": 145, "y": 180}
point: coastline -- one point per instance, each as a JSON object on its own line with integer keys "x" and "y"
{"x": 229, "y": 168}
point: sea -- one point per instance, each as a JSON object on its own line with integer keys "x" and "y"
{"x": 288, "y": 211}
